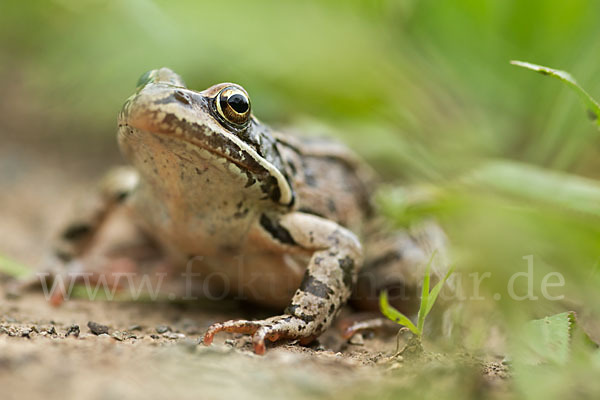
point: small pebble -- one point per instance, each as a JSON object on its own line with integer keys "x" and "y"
{"x": 230, "y": 342}
{"x": 97, "y": 329}
{"x": 357, "y": 340}
{"x": 153, "y": 336}
{"x": 26, "y": 332}
{"x": 163, "y": 328}
{"x": 135, "y": 327}
{"x": 172, "y": 335}
{"x": 73, "y": 330}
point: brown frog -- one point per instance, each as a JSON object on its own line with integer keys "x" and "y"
{"x": 286, "y": 222}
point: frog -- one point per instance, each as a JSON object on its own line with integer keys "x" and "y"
{"x": 208, "y": 183}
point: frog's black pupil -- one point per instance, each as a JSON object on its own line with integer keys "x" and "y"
{"x": 238, "y": 102}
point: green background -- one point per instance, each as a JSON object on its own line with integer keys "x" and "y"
{"x": 506, "y": 159}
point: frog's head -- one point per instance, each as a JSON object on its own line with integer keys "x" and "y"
{"x": 213, "y": 129}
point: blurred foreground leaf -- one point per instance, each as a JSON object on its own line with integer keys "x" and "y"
{"x": 554, "y": 359}
{"x": 541, "y": 185}
{"x": 550, "y": 339}
{"x": 547, "y": 339}
{"x": 527, "y": 184}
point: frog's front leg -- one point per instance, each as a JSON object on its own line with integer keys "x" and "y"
{"x": 326, "y": 286}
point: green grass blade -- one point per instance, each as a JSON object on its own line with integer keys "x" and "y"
{"x": 436, "y": 291}
{"x": 425, "y": 295}
{"x": 395, "y": 315}
{"x": 590, "y": 103}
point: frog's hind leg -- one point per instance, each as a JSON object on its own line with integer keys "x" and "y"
{"x": 91, "y": 212}
{"x": 87, "y": 246}
{"x": 396, "y": 263}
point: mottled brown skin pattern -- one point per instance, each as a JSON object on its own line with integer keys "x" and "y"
{"x": 208, "y": 179}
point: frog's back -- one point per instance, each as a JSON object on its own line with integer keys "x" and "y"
{"x": 328, "y": 180}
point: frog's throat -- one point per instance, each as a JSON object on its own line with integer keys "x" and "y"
{"x": 286, "y": 195}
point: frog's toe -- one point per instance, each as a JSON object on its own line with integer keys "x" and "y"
{"x": 233, "y": 326}
{"x": 273, "y": 329}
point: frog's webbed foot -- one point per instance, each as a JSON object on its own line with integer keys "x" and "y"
{"x": 331, "y": 272}
{"x": 272, "y": 329}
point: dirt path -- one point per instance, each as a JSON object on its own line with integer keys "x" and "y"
{"x": 38, "y": 355}
{"x": 51, "y": 350}
{"x": 151, "y": 350}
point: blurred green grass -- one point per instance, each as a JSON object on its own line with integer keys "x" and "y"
{"x": 430, "y": 77}
{"x": 422, "y": 89}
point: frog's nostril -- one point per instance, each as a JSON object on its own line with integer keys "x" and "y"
{"x": 183, "y": 97}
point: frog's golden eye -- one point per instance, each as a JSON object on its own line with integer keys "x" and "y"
{"x": 233, "y": 105}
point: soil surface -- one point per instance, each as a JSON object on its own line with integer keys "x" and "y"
{"x": 153, "y": 350}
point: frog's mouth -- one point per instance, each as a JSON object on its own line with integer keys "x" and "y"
{"x": 215, "y": 140}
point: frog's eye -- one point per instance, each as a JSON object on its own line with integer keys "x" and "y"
{"x": 233, "y": 105}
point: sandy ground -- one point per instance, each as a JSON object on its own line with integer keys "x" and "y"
{"x": 41, "y": 352}
{"x": 153, "y": 350}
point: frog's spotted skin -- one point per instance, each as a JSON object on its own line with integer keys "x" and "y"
{"x": 211, "y": 183}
